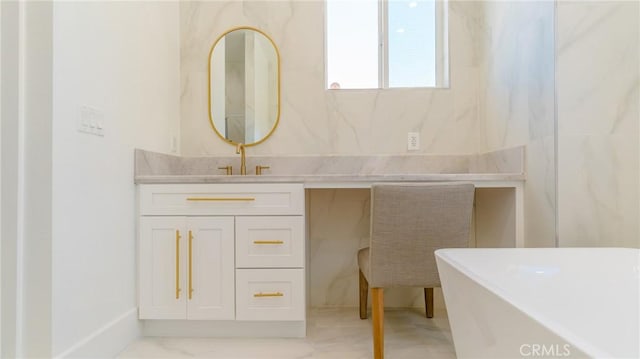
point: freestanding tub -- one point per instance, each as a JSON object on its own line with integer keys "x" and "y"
{"x": 542, "y": 302}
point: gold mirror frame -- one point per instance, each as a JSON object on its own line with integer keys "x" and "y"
{"x": 275, "y": 124}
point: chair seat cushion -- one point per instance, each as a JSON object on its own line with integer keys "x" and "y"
{"x": 363, "y": 261}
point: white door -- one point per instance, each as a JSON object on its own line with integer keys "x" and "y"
{"x": 163, "y": 244}
{"x": 210, "y": 286}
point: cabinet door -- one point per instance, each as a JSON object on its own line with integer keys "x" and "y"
{"x": 211, "y": 269}
{"x": 162, "y": 261}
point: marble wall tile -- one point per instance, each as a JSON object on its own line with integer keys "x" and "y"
{"x": 598, "y": 82}
{"x": 598, "y": 196}
{"x": 503, "y": 65}
{"x": 152, "y": 163}
{"x": 508, "y": 160}
{"x": 540, "y": 193}
{"x": 518, "y": 72}
{"x": 598, "y": 98}
{"x": 318, "y": 122}
{"x": 517, "y": 102}
{"x": 466, "y": 16}
{"x": 314, "y": 120}
{"x": 339, "y": 227}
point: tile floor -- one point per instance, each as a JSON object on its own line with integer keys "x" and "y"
{"x": 331, "y": 333}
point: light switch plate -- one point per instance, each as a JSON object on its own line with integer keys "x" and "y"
{"x": 91, "y": 121}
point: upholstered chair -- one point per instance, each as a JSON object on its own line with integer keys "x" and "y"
{"x": 408, "y": 223}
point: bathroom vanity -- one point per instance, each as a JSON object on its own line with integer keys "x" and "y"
{"x": 224, "y": 250}
{"x": 227, "y": 255}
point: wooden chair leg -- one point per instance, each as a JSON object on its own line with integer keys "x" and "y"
{"x": 377, "y": 312}
{"x": 428, "y": 301}
{"x": 364, "y": 292}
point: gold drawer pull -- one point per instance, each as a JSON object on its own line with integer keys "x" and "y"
{"x": 220, "y": 199}
{"x": 261, "y": 295}
{"x": 268, "y": 242}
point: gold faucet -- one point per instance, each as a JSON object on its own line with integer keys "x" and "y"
{"x": 260, "y": 168}
{"x": 243, "y": 165}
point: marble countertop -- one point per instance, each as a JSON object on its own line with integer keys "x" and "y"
{"x": 335, "y": 171}
{"x": 316, "y": 180}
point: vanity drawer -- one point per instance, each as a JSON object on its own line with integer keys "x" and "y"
{"x": 270, "y": 242}
{"x": 270, "y": 294}
{"x": 222, "y": 199}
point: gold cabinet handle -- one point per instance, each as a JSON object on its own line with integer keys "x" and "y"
{"x": 268, "y": 242}
{"x": 190, "y": 264}
{"x": 262, "y": 295}
{"x": 177, "y": 264}
{"x": 220, "y": 199}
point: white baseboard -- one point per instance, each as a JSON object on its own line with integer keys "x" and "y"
{"x": 224, "y": 329}
{"x": 108, "y": 341}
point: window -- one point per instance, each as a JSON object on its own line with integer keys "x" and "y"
{"x": 386, "y": 44}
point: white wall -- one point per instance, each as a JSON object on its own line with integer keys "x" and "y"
{"x": 68, "y": 221}
{"x": 1, "y": 287}
{"x": 26, "y": 179}
{"x": 598, "y": 85}
{"x": 36, "y": 178}
{"x": 9, "y": 189}
{"x": 121, "y": 58}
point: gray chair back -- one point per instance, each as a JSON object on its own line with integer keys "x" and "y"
{"x": 408, "y": 223}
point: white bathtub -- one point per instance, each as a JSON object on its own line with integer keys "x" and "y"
{"x": 551, "y": 302}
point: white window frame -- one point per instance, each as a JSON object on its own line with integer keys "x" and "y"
{"x": 442, "y": 46}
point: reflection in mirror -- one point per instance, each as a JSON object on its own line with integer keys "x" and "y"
{"x": 244, "y": 86}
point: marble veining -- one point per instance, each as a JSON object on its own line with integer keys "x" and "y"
{"x": 331, "y": 333}
{"x": 500, "y": 96}
{"x": 517, "y": 102}
{"x": 508, "y": 160}
{"x": 598, "y": 90}
{"x": 317, "y": 121}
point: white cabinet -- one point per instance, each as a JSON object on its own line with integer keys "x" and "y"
{"x": 186, "y": 268}
{"x": 222, "y": 252}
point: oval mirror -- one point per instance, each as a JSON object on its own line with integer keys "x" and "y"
{"x": 244, "y": 86}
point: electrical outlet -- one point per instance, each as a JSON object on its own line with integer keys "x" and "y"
{"x": 413, "y": 141}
